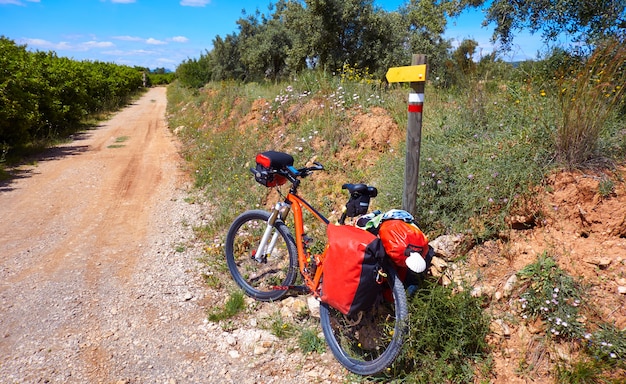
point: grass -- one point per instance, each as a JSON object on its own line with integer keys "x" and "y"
{"x": 309, "y": 341}
{"x": 234, "y": 305}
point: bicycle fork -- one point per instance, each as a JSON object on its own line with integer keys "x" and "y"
{"x": 280, "y": 211}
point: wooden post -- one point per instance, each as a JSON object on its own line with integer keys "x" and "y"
{"x": 415, "y": 74}
{"x": 413, "y": 141}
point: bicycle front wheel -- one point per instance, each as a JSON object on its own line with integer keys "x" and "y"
{"x": 264, "y": 280}
{"x": 369, "y": 342}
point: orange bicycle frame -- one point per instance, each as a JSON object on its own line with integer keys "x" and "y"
{"x": 296, "y": 203}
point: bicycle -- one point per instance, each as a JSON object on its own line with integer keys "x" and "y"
{"x": 265, "y": 260}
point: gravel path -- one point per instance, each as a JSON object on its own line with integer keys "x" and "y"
{"x": 99, "y": 274}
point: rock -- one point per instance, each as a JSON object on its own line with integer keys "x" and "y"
{"x": 521, "y": 222}
{"x": 438, "y": 266}
{"x": 499, "y": 327}
{"x": 601, "y": 262}
{"x": 292, "y": 306}
{"x": 509, "y": 285}
{"x": 621, "y": 290}
{"x": 446, "y": 246}
{"x": 314, "y": 306}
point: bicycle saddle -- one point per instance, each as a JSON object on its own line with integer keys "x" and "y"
{"x": 274, "y": 160}
{"x": 361, "y": 189}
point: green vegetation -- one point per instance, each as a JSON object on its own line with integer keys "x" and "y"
{"x": 551, "y": 295}
{"x": 488, "y": 141}
{"x": 234, "y": 305}
{"x": 294, "y": 36}
{"x": 44, "y": 97}
{"x": 446, "y": 338}
{"x": 309, "y": 341}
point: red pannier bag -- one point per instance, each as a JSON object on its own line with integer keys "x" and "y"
{"x": 399, "y": 239}
{"x": 352, "y": 260}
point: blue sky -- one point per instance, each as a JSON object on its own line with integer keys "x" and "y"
{"x": 163, "y": 33}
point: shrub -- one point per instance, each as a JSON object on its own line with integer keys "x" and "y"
{"x": 553, "y": 296}
{"x": 589, "y": 96}
{"x": 446, "y": 337}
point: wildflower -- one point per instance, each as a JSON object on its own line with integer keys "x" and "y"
{"x": 542, "y": 93}
{"x": 588, "y": 336}
{"x": 613, "y": 355}
{"x": 470, "y": 176}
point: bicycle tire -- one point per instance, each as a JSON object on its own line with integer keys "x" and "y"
{"x": 363, "y": 343}
{"x": 263, "y": 281}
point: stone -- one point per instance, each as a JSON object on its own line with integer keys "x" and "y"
{"x": 314, "y": 306}
{"x": 499, "y": 327}
{"x": 509, "y": 285}
{"x": 446, "y": 246}
{"x": 438, "y": 266}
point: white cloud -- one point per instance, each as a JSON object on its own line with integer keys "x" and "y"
{"x": 194, "y": 3}
{"x": 123, "y": 1}
{"x": 128, "y": 38}
{"x": 155, "y": 41}
{"x": 65, "y": 46}
{"x": 17, "y": 2}
{"x": 96, "y": 44}
{"x": 119, "y": 52}
{"x": 179, "y": 39}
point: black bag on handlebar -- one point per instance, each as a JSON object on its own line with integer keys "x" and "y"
{"x": 267, "y": 163}
{"x": 352, "y": 261}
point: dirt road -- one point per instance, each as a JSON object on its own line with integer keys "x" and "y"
{"x": 76, "y": 233}
{"x": 99, "y": 274}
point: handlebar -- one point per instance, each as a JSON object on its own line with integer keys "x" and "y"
{"x": 304, "y": 172}
{"x": 290, "y": 172}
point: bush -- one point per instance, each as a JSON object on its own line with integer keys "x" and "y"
{"x": 590, "y": 97}
{"x": 446, "y": 337}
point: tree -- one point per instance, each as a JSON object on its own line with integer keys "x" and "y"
{"x": 265, "y": 44}
{"x": 586, "y": 21}
{"x": 463, "y": 56}
{"x": 331, "y": 33}
{"x": 427, "y": 21}
{"x": 226, "y": 59}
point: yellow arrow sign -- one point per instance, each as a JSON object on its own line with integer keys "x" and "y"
{"x": 408, "y": 74}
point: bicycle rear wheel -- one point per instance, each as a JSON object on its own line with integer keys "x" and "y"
{"x": 369, "y": 342}
{"x": 262, "y": 280}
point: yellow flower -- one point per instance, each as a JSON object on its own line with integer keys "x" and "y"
{"x": 542, "y": 93}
